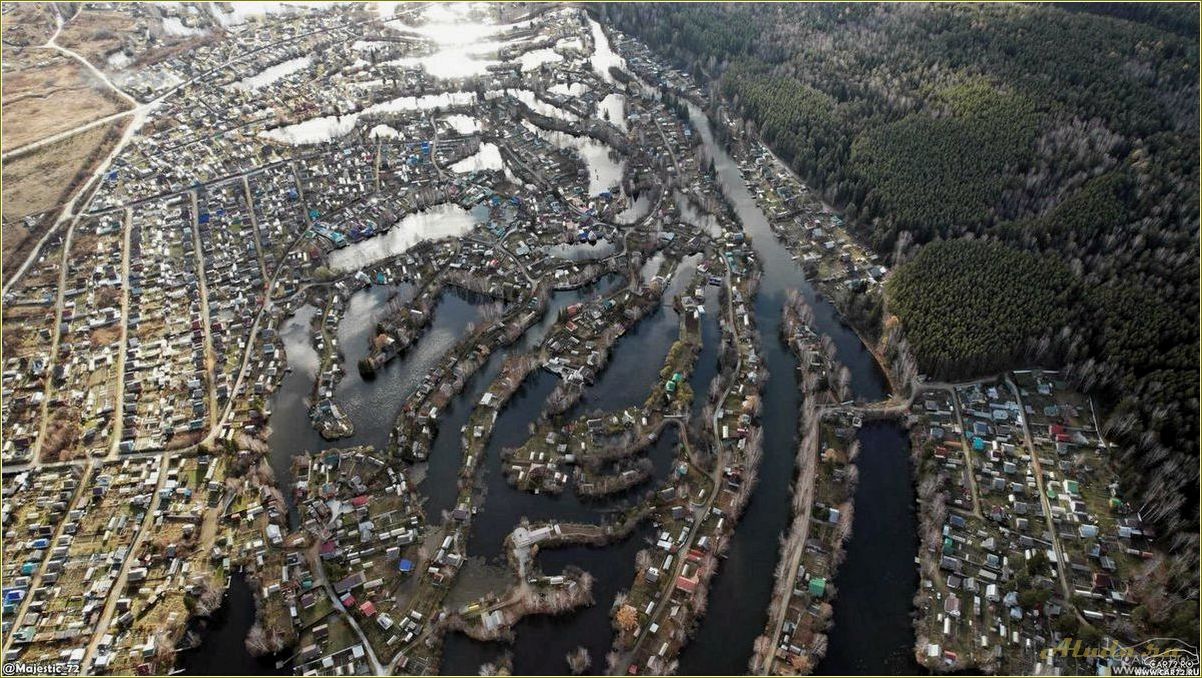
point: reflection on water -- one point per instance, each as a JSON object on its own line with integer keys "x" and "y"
{"x": 487, "y": 158}
{"x": 613, "y": 109}
{"x": 384, "y": 132}
{"x": 273, "y": 73}
{"x": 695, "y": 217}
{"x": 534, "y": 103}
{"x": 582, "y": 250}
{"x": 574, "y": 89}
{"x": 223, "y": 650}
{"x": 604, "y": 171}
{"x": 637, "y": 210}
{"x": 450, "y": 24}
{"x": 462, "y": 34}
{"x": 317, "y": 130}
{"x": 426, "y": 102}
{"x": 639, "y": 353}
{"x": 290, "y": 402}
{"x": 878, "y": 579}
{"x": 535, "y": 58}
{"x": 463, "y": 124}
{"x": 603, "y": 56}
{"x": 314, "y": 130}
{"x": 436, "y": 222}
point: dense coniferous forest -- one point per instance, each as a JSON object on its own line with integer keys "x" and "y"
{"x": 1032, "y": 168}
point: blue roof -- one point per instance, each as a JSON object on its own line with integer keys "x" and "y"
{"x": 406, "y": 565}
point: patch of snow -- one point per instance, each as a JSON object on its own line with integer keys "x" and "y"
{"x": 118, "y": 60}
{"x": 533, "y": 59}
{"x": 573, "y": 90}
{"x": 463, "y": 124}
{"x": 487, "y": 158}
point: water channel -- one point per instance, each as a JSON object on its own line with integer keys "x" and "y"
{"x": 876, "y": 582}
{"x": 739, "y": 597}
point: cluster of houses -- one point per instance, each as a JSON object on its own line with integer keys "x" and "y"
{"x": 166, "y": 385}
{"x": 234, "y": 276}
{"x": 30, "y": 320}
{"x": 807, "y": 226}
{"x": 78, "y": 551}
{"x": 1036, "y": 541}
{"x": 78, "y": 387}
{"x": 366, "y": 518}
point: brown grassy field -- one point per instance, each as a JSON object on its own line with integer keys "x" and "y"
{"x": 44, "y": 179}
{"x": 25, "y": 23}
{"x": 94, "y": 33}
{"x": 45, "y": 93}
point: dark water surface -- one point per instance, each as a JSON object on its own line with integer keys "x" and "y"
{"x": 872, "y": 631}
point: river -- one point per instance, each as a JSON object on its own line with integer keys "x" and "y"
{"x": 876, "y": 582}
{"x": 372, "y": 405}
{"x": 223, "y": 651}
{"x": 740, "y": 595}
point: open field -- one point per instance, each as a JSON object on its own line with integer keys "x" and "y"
{"x": 46, "y": 93}
{"x": 44, "y": 179}
{"x": 25, "y": 23}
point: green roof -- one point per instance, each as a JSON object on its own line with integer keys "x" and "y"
{"x": 818, "y": 587}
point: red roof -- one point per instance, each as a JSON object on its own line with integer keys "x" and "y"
{"x": 685, "y": 584}
{"x": 359, "y": 501}
{"x": 367, "y": 608}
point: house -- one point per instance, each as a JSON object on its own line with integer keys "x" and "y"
{"x": 686, "y": 585}
{"x": 817, "y": 587}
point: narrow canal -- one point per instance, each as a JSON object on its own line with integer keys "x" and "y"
{"x": 873, "y": 633}
{"x": 877, "y": 580}
{"x": 223, "y": 649}
{"x": 741, "y": 592}
{"x": 372, "y": 405}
